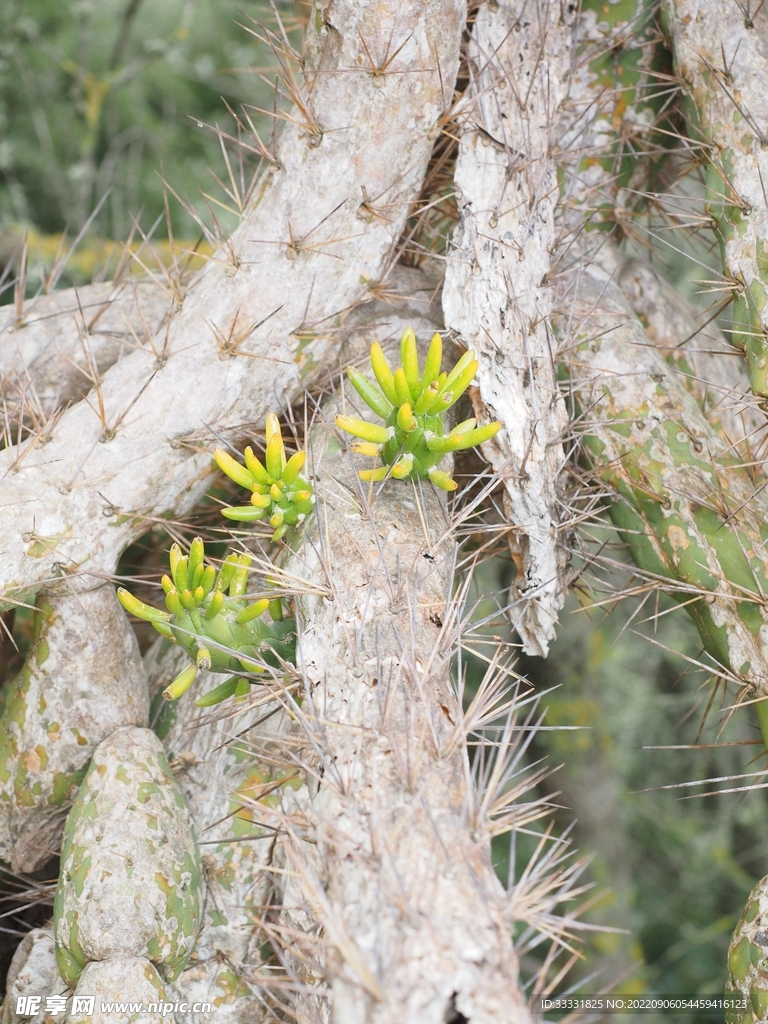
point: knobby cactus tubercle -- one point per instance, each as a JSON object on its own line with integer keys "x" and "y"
{"x": 216, "y": 624}
{"x": 278, "y": 491}
{"x": 413, "y": 405}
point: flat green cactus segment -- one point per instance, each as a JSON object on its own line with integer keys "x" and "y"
{"x": 210, "y": 617}
{"x": 747, "y": 979}
{"x": 279, "y": 492}
{"x": 413, "y": 403}
{"x": 131, "y": 880}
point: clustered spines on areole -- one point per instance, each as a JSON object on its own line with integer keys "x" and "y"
{"x": 279, "y": 492}
{"x": 413, "y": 405}
{"x": 210, "y": 616}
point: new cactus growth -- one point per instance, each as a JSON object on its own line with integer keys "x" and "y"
{"x": 413, "y": 405}
{"x": 279, "y": 492}
{"x": 216, "y": 624}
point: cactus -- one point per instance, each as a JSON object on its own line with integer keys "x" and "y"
{"x": 131, "y": 880}
{"x": 82, "y": 679}
{"x": 686, "y": 509}
{"x": 110, "y": 980}
{"x": 723, "y": 61}
{"x": 616, "y": 98}
{"x": 222, "y": 782}
{"x": 278, "y": 490}
{"x": 413, "y": 404}
{"x": 33, "y": 972}
{"x": 222, "y": 631}
{"x": 747, "y": 981}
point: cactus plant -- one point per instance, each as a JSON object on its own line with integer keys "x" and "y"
{"x": 723, "y": 62}
{"x": 131, "y": 880}
{"x": 747, "y": 981}
{"x": 210, "y": 617}
{"x": 278, "y": 490}
{"x": 413, "y": 404}
{"x": 123, "y": 471}
{"x": 82, "y": 679}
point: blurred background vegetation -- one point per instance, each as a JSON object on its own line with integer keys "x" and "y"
{"x": 99, "y": 101}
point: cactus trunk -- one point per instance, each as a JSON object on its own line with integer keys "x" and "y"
{"x": 496, "y": 295}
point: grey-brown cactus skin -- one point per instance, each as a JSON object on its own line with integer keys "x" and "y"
{"x": 131, "y": 879}
{"x": 747, "y": 981}
{"x": 221, "y": 781}
{"x": 33, "y": 972}
{"x": 82, "y": 680}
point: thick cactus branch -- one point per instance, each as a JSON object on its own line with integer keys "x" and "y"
{"x": 495, "y": 295}
{"x": 260, "y": 321}
{"x": 722, "y": 54}
{"x": 687, "y": 510}
{"x": 82, "y": 680}
{"x": 708, "y": 366}
{"x": 234, "y": 800}
{"x": 53, "y": 351}
{"x": 415, "y": 919}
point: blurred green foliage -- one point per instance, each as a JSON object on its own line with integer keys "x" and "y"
{"x": 100, "y": 95}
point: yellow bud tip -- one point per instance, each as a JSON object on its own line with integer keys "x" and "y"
{"x": 181, "y": 683}
{"x": 365, "y": 448}
{"x": 272, "y": 426}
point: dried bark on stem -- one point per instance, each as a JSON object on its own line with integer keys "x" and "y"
{"x": 319, "y": 223}
{"x": 496, "y": 296}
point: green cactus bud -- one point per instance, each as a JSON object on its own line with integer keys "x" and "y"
{"x": 181, "y": 683}
{"x": 217, "y": 625}
{"x": 410, "y": 362}
{"x": 232, "y": 468}
{"x": 370, "y": 394}
{"x": 364, "y": 430}
{"x": 218, "y": 693}
{"x": 382, "y": 373}
{"x": 278, "y": 491}
{"x": 413, "y": 441}
{"x": 433, "y": 361}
